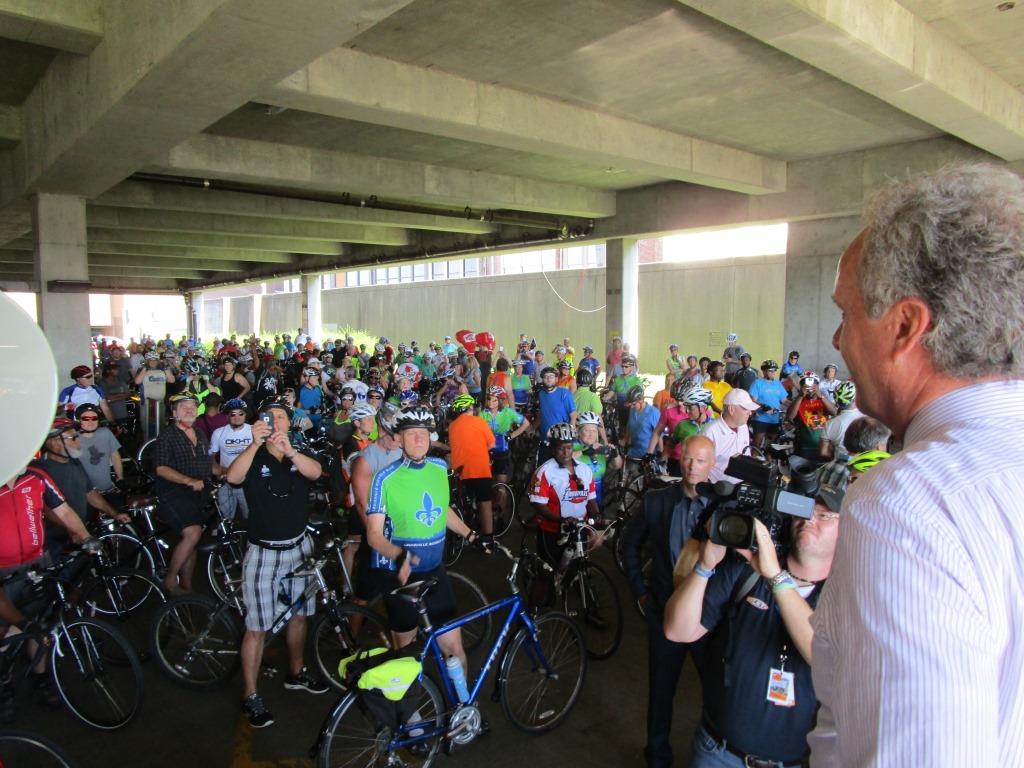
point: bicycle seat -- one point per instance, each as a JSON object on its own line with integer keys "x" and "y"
{"x": 416, "y": 591}
{"x": 140, "y": 501}
{"x": 209, "y": 546}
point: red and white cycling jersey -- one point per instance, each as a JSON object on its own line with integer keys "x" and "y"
{"x": 21, "y": 516}
{"x": 561, "y": 492}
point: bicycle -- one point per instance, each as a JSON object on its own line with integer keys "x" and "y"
{"x": 585, "y": 590}
{"x": 93, "y": 667}
{"x": 20, "y": 748}
{"x": 625, "y": 499}
{"x": 196, "y": 640}
{"x": 545, "y": 656}
{"x": 502, "y": 510}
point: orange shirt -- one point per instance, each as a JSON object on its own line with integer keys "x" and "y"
{"x": 662, "y": 400}
{"x": 471, "y": 440}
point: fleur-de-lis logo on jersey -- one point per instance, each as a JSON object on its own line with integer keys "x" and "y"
{"x": 430, "y": 511}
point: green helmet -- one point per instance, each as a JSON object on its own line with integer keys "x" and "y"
{"x": 461, "y": 404}
{"x": 862, "y": 462}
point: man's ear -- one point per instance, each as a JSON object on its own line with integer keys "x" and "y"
{"x": 908, "y": 320}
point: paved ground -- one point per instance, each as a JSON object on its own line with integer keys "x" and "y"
{"x": 179, "y": 728}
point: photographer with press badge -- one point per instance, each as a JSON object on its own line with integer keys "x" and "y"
{"x": 759, "y": 702}
{"x": 275, "y": 478}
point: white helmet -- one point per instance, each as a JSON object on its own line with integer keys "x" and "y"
{"x": 588, "y": 417}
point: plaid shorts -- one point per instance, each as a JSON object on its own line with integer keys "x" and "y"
{"x": 263, "y": 572}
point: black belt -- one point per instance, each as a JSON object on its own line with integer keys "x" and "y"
{"x": 276, "y": 546}
{"x": 750, "y": 761}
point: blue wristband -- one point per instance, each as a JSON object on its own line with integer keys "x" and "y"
{"x": 704, "y": 573}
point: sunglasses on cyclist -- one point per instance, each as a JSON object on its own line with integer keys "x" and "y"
{"x": 89, "y": 418}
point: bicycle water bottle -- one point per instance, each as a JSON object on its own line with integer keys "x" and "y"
{"x": 458, "y": 678}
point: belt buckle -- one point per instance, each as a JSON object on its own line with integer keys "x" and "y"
{"x": 750, "y": 761}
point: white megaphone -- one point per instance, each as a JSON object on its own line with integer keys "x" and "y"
{"x": 28, "y": 387}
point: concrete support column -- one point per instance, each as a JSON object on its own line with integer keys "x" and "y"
{"x": 311, "y": 320}
{"x": 58, "y": 222}
{"x": 198, "y": 313}
{"x": 811, "y": 317}
{"x": 622, "y": 292}
{"x": 257, "y": 310}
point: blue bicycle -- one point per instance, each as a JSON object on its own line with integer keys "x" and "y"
{"x": 540, "y": 674}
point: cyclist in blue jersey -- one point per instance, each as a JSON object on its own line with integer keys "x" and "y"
{"x": 588, "y": 361}
{"x": 767, "y": 392}
{"x": 311, "y": 396}
{"x": 643, "y": 418}
{"x": 556, "y": 403}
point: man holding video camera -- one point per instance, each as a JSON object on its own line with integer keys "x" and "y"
{"x": 759, "y": 702}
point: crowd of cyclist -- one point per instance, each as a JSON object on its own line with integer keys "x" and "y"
{"x": 382, "y": 427}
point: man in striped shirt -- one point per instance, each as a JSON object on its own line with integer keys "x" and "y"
{"x": 918, "y": 649}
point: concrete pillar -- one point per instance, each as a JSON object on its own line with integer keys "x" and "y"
{"x": 198, "y": 312}
{"x": 58, "y": 223}
{"x": 257, "y": 310}
{"x": 311, "y": 320}
{"x": 622, "y": 293}
{"x": 812, "y": 255}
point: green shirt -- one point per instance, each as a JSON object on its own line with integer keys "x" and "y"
{"x": 414, "y": 500}
{"x": 586, "y": 400}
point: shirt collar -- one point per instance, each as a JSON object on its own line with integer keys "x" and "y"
{"x": 971, "y": 403}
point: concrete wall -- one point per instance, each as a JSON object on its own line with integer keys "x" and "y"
{"x": 694, "y": 305}
{"x": 241, "y": 315}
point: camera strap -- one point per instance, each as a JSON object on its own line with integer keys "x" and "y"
{"x": 738, "y": 597}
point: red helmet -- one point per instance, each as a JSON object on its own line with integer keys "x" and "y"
{"x": 61, "y": 425}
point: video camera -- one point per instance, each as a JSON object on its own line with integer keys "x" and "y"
{"x": 761, "y": 494}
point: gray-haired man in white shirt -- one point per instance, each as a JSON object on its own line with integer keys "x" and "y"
{"x": 918, "y": 645}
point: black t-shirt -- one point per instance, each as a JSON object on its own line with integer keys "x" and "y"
{"x": 277, "y": 495}
{"x": 72, "y": 480}
{"x": 740, "y": 711}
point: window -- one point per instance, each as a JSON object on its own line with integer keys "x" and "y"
{"x": 455, "y": 269}
{"x": 419, "y": 273}
{"x": 439, "y": 270}
{"x": 405, "y": 273}
{"x": 471, "y": 267}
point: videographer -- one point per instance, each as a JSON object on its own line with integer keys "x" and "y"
{"x": 759, "y": 702}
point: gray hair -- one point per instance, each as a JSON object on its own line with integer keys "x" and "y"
{"x": 955, "y": 240}
{"x": 865, "y": 434}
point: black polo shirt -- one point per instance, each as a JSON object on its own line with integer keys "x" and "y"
{"x": 278, "y": 498}
{"x": 740, "y": 711}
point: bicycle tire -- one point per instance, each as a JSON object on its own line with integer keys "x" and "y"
{"x": 20, "y": 748}
{"x": 334, "y": 636}
{"x": 469, "y": 597}
{"x": 224, "y": 570}
{"x": 503, "y": 508}
{"x": 125, "y": 550}
{"x": 560, "y": 642}
{"x": 453, "y": 543}
{"x": 126, "y": 599}
{"x": 196, "y": 641}
{"x": 82, "y": 674}
{"x": 352, "y": 737}
{"x": 590, "y": 599}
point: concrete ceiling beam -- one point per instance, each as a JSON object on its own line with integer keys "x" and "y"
{"x": 163, "y": 72}
{"x": 132, "y": 272}
{"x": 272, "y": 249}
{"x": 221, "y": 255}
{"x": 8, "y": 256}
{"x": 306, "y": 168}
{"x": 137, "y": 194}
{"x": 110, "y": 217}
{"x": 353, "y": 85}
{"x": 10, "y": 123}
{"x": 76, "y": 27}
{"x": 883, "y": 49}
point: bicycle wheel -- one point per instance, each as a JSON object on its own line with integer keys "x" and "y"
{"x": 30, "y": 749}
{"x": 342, "y": 631}
{"x": 224, "y": 570}
{"x": 99, "y": 693}
{"x": 503, "y": 508}
{"x": 127, "y": 599}
{"x": 453, "y": 543}
{"x": 354, "y": 738}
{"x": 590, "y": 599}
{"x": 469, "y": 597}
{"x": 125, "y": 550}
{"x": 534, "y": 699}
{"x": 196, "y": 641}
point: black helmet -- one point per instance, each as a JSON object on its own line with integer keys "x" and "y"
{"x": 87, "y": 408}
{"x": 561, "y": 433}
{"x": 276, "y": 402}
{"x": 413, "y": 417}
{"x": 584, "y": 377}
{"x": 635, "y": 394}
{"x": 387, "y": 418}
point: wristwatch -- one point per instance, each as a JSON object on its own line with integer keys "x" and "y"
{"x": 781, "y": 578}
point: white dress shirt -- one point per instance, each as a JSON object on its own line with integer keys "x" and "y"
{"x": 728, "y": 442}
{"x": 919, "y": 633}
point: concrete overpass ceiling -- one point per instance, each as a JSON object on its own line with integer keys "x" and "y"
{"x": 318, "y": 131}
{"x": 654, "y": 61}
{"x": 22, "y": 64}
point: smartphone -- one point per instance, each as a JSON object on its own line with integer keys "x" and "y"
{"x": 501, "y": 349}
{"x": 268, "y": 419}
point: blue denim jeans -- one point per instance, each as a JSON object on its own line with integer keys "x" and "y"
{"x": 708, "y": 753}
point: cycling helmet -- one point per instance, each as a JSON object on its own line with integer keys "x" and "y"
{"x": 79, "y": 371}
{"x": 276, "y": 402}
{"x": 795, "y": 354}
{"x": 310, "y": 372}
{"x": 450, "y": 373}
{"x": 387, "y": 416}
{"x": 809, "y": 379}
{"x": 362, "y": 411}
{"x": 378, "y": 348}
{"x": 673, "y": 346}
{"x": 731, "y": 337}
{"x": 629, "y": 360}
{"x": 561, "y": 433}
{"x": 152, "y": 355}
{"x": 408, "y": 397}
{"x": 680, "y": 389}
{"x": 769, "y": 365}
{"x": 498, "y": 392}
{"x": 87, "y": 408}
{"x": 588, "y": 417}
{"x": 348, "y": 392}
{"x": 59, "y": 426}
{"x": 461, "y": 404}
{"x": 330, "y": 370}
{"x": 235, "y": 404}
{"x": 697, "y": 396}
{"x": 584, "y": 377}
{"x": 862, "y": 462}
{"x": 415, "y": 417}
{"x": 587, "y": 348}
{"x": 229, "y": 359}
{"x": 635, "y": 394}
{"x": 182, "y": 397}
{"x": 564, "y": 365}
{"x": 833, "y": 366}
{"x": 191, "y": 367}
{"x": 375, "y": 391}
{"x": 845, "y": 393}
